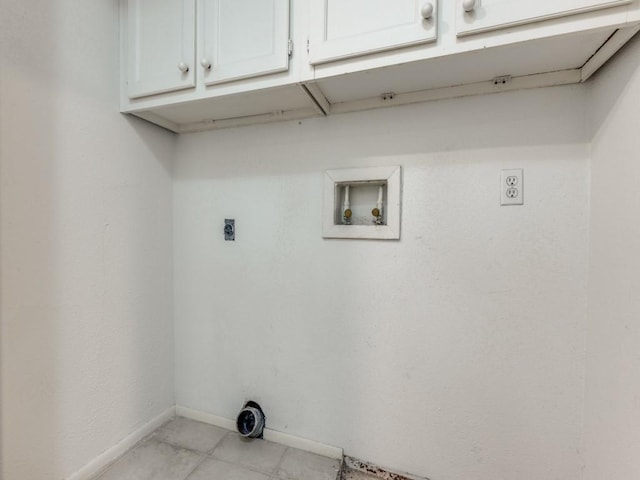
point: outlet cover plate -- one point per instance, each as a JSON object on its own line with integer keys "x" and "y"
{"x": 229, "y": 229}
{"x": 512, "y": 187}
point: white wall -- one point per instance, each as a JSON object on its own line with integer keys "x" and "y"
{"x": 87, "y": 336}
{"x": 457, "y": 352}
{"x": 612, "y": 436}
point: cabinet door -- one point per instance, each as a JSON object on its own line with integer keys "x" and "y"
{"x": 476, "y": 16}
{"x": 243, "y": 38}
{"x": 160, "y": 46}
{"x": 342, "y": 29}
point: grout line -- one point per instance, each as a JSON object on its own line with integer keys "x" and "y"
{"x": 277, "y": 467}
{"x": 242, "y": 466}
{"x": 181, "y": 447}
{"x": 218, "y": 443}
{"x": 204, "y": 457}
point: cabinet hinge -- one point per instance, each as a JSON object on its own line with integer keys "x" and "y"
{"x": 290, "y": 47}
{"x": 307, "y": 45}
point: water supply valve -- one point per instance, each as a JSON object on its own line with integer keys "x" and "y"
{"x": 377, "y": 216}
{"x": 346, "y": 216}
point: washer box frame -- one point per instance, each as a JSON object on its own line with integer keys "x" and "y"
{"x": 392, "y": 176}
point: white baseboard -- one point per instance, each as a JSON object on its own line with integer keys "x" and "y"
{"x": 106, "y": 458}
{"x": 269, "y": 434}
{"x": 205, "y": 417}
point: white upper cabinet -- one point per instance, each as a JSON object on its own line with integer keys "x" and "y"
{"x": 243, "y": 38}
{"x": 191, "y": 65}
{"x": 173, "y": 45}
{"x": 342, "y": 29}
{"x": 160, "y": 39}
{"x": 477, "y": 16}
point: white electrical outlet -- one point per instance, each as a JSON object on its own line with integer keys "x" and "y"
{"x": 512, "y": 187}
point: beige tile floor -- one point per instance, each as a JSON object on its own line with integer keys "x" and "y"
{"x": 184, "y": 449}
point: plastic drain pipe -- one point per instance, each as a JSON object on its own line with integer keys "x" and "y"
{"x": 250, "y": 421}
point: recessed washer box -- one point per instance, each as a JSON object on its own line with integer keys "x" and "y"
{"x": 362, "y": 203}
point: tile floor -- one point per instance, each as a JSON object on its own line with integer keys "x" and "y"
{"x": 184, "y": 449}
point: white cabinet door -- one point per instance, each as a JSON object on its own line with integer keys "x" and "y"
{"x": 243, "y": 38}
{"x": 160, "y": 46}
{"x": 476, "y": 16}
{"x": 349, "y": 28}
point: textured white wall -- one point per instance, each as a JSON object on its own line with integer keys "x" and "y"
{"x": 87, "y": 335}
{"x": 457, "y": 352}
{"x": 612, "y": 436}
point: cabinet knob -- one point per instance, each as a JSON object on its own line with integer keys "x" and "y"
{"x": 206, "y": 64}
{"x": 427, "y": 10}
{"x": 183, "y": 67}
{"x": 468, "y": 5}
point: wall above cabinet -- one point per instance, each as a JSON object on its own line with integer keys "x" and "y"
{"x": 193, "y": 65}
